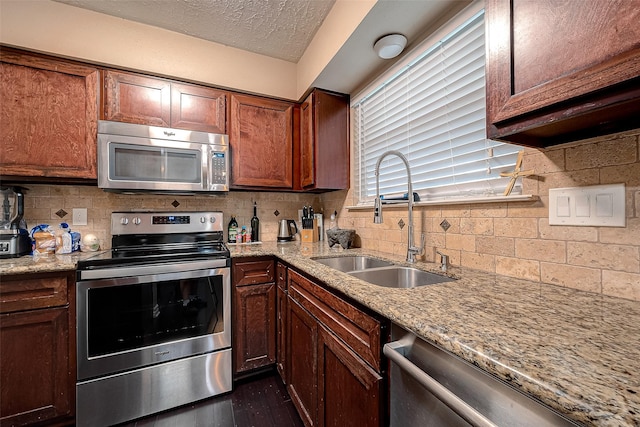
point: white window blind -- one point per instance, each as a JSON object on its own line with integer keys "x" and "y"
{"x": 433, "y": 112}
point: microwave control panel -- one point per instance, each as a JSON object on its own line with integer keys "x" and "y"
{"x": 218, "y": 171}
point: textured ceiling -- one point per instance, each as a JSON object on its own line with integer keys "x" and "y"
{"x": 280, "y": 29}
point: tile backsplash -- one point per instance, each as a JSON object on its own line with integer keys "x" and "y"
{"x": 515, "y": 239}
{"x": 43, "y": 202}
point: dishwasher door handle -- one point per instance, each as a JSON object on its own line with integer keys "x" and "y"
{"x": 456, "y": 404}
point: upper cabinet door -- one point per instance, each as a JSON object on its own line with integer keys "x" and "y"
{"x": 261, "y": 140}
{"x": 48, "y": 116}
{"x": 198, "y": 108}
{"x": 561, "y": 71}
{"x": 324, "y": 141}
{"x": 307, "y": 131}
{"x": 134, "y": 98}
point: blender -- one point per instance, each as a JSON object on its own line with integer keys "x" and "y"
{"x": 14, "y": 237}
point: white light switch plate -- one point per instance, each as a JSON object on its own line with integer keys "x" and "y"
{"x": 597, "y": 205}
{"x": 79, "y": 216}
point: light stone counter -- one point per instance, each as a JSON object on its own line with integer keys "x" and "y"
{"x": 42, "y": 263}
{"x": 575, "y": 351}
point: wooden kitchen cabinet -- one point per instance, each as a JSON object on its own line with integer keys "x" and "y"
{"x": 335, "y": 369}
{"x": 136, "y": 98}
{"x": 561, "y": 71}
{"x": 254, "y": 314}
{"x": 37, "y": 349}
{"x": 349, "y": 390}
{"x": 49, "y": 113}
{"x": 281, "y": 314}
{"x": 261, "y": 140}
{"x": 302, "y": 353}
{"x": 324, "y": 141}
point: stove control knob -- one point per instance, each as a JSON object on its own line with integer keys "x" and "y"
{"x": 137, "y": 221}
{"x": 203, "y": 220}
{"x": 213, "y": 220}
{"x": 124, "y": 220}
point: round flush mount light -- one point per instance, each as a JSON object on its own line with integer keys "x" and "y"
{"x": 390, "y": 46}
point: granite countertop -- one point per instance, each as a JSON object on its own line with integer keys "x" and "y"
{"x": 42, "y": 263}
{"x": 577, "y": 352}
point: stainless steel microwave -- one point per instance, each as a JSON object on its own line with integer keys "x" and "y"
{"x": 134, "y": 157}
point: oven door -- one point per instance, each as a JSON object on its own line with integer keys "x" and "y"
{"x": 141, "y": 316}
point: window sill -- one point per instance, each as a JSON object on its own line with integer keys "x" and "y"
{"x": 456, "y": 201}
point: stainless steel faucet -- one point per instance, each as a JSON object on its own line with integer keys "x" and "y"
{"x": 412, "y": 250}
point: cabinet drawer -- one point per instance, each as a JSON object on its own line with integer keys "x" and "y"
{"x": 253, "y": 271}
{"x": 358, "y": 330}
{"x": 26, "y": 292}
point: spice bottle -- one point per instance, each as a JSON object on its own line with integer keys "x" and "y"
{"x": 232, "y": 229}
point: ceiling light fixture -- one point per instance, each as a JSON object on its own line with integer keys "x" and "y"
{"x": 390, "y": 46}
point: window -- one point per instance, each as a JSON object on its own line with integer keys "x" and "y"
{"x": 432, "y": 110}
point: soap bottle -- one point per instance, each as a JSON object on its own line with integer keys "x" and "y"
{"x": 255, "y": 224}
{"x": 232, "y": 229}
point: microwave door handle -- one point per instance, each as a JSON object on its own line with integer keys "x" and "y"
{"x": 207, "y": 167}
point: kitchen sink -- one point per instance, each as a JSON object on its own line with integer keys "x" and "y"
{"x": 352, "y": 263}
{"x": 399, "y": 277}
{"x": 382, "y": 273}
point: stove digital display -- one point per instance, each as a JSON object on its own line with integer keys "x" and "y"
{"x": 171, "y": 219}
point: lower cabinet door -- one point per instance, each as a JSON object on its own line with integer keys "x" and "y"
{"x": 302, "y": 345}
{"x": 35, "y": 371}
{"x": 255, "y": 326}
{"x": 281, "y": 342}
{"x": 349, "y": 390}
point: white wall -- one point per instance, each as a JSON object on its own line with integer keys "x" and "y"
{"x": 56, "y": 28}
{"x": 60, "y": 29}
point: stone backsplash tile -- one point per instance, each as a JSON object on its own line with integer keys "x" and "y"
{"x": 623, "y": 284}
{"x": 604, "y": 256}
{"x": 613, "y": 152}
{"x": 583, "y": 278}
{"x": 518, "y": 267}
{"x": 541, "y": 250}
{"x": 504, "y": 246}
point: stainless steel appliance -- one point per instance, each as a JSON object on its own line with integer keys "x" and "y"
{"x": 14, "y": 238}
{"x": 287, "y": 230}
{"x": 134, "y": 157}
{"x": 431, "y": 387}
{"x": 153, "y": 317}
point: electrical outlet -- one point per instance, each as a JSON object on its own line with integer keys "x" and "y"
{"x": 79, "y": 216}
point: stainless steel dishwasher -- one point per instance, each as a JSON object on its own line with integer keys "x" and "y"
{"x": 431, "y": 387}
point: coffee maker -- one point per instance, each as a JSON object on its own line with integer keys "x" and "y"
{"x": 14, "y": 237}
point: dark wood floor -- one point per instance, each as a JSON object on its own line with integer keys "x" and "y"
{"x": 255, "y": 402}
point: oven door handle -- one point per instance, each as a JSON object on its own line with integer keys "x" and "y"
{"x": 443, "y": 394}
{"x": 151, "y": 269}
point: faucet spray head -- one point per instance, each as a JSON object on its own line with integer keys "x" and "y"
{"x": 377, "y": 211}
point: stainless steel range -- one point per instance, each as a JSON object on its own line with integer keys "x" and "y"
{"x": 154, "y": 317}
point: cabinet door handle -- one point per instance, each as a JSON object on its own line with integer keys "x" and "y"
{"x": 443, "y": 394}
